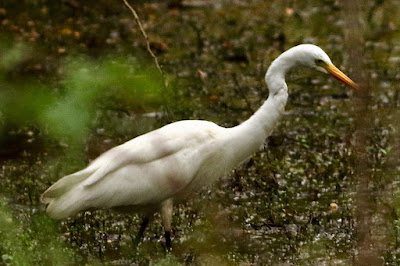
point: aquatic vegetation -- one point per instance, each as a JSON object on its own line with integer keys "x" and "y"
{"x": 293, "y": 202}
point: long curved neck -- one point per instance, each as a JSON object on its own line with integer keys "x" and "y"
{"x": 267, "y": 116}
{"x": 247, "y": 137}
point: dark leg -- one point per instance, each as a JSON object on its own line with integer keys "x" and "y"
{"x": 166, "y": 216}
{"x": 168, "y": 239}
{"x": 143, "y": 226}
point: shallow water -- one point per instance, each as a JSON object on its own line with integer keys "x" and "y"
{"x": 296, "y": 201}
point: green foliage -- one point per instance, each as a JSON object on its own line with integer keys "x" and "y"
{"x": 12, "y": 248}
{"x": 11, "y": 54}
{"x": 169, "y": 260}
{"x": 86, "y": 86}
{"x": 31, "y": 242}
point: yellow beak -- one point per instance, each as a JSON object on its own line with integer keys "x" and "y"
{"x": 334, "y": 71}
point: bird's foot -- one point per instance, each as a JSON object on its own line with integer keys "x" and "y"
{"x": 167, "y": 244}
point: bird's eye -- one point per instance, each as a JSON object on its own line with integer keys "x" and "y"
{"x": 319, "y": 61}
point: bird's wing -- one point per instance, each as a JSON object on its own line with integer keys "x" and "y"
{"x": 139, "y": 151}
{"x": 64, "y": 184}
{"x": 154, "y": 166}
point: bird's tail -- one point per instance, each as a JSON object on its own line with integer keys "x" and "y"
{"x": 64, "y": 198}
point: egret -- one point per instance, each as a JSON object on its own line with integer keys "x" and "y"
{"x": 151, "y": 171}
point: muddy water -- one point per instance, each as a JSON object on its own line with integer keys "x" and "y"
{"x": 293, "y": 202}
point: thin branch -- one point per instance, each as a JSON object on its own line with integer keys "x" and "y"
{"x": 145, "y": 37}
{"x": 165, "y": 84}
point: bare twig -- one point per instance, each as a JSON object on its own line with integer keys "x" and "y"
{"x": 165, "y": 84}
{"x": 198, "y": 30}
{"x": 145, "y": 37}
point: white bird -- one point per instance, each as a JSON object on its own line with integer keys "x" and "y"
{"x": 150, "y": 171}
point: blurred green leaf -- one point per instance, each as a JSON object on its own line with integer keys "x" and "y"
{"x": 11, "y": 54}
{"x": 67, "y": 113}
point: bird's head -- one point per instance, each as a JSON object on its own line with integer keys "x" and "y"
{"x": 314, "y": 57}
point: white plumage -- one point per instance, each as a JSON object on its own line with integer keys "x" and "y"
{"x": 149, "y": 171}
